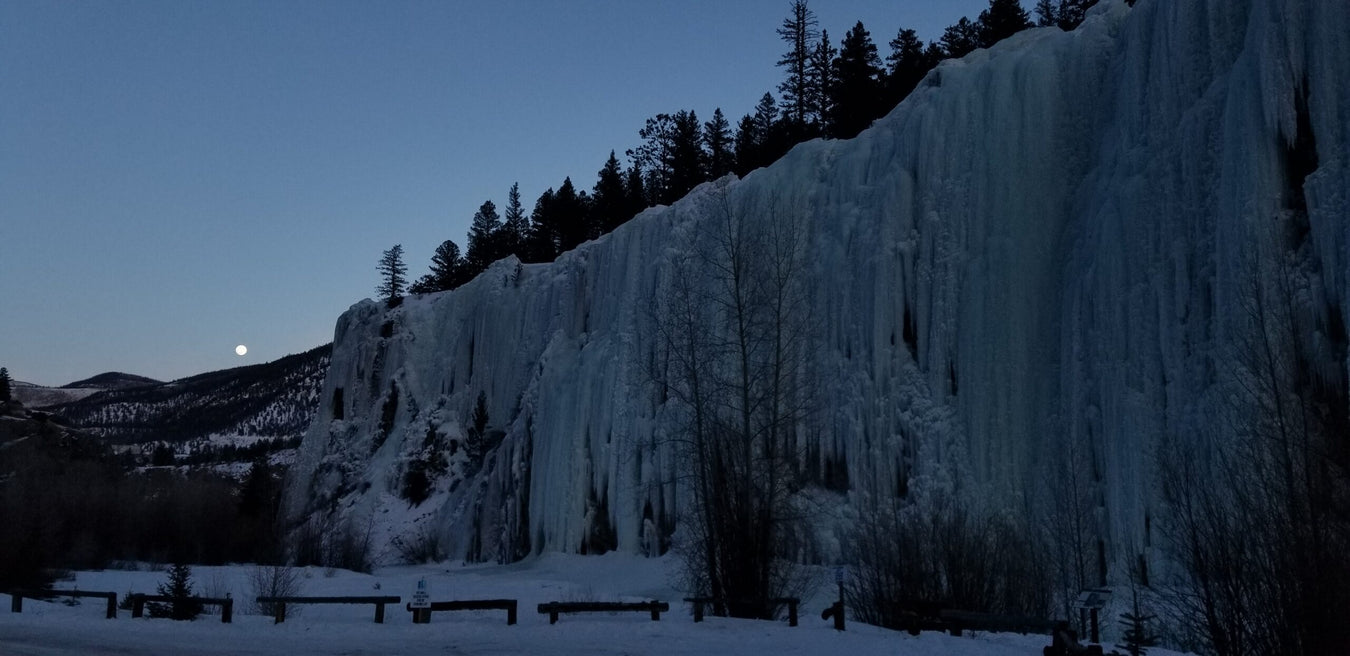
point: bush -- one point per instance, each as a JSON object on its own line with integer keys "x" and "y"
{"x": 909, "y": 556}
{"x": 273, "y": 581}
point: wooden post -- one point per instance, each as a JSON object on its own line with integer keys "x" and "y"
{"x": 137, "y": 605}
{"x": 112, "y": 606}
{"x": 227, "y": 611}
{"x": 279, "y": 612}
{"x": 698, "y": 611}
{"x": 656, "y": 613}
{"x": 16, "y": 602}
{"x": 1096, "y": 637}
{"x": 379, "y": 613}
{"x": 511, "y": 613}
{"x": 792, "y": 612}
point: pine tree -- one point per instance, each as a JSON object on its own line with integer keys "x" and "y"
{"x": 635, "y": 191}
{"x": 798, "y": 31}
{"x": 482, "y": 246}
{"x": 1071, "y": 13}
{"x": 686, "y": 162}
{"x": 747, "y": 146}
{"x": 609, "y": 200}
{"x": 822, "y": 81}
{"x": 655, "y": 156}
{"x": 570, "y": 210}
{"x": 908, "y": 65}
{"x": 960, "y": 39}
{"x": 1137, "y": 637}
{"x": 392, "y": 271}
{"x": 511, "y": 237}
{"x": 542, "y": 240}
{"x": 1046, "y": 13}
{"x": 6, "y": 394}
{"x": 858, "y": 73}
{"x": 178, "y": 586}
{"x": 448, "y": 270}
{"x": 717, "y": 145}
{"x": 1001, "y": 20}
{"x": 475, "y": 442}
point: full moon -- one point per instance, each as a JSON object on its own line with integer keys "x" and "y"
{"x": 240, "y": 350}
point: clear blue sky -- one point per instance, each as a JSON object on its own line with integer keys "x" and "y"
{"x": 180, "y": 177}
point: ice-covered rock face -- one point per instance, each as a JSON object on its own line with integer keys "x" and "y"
{"x": 1042, "y": 248}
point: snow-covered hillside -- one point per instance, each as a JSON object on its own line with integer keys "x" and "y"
{"x": 1042, "y": 246}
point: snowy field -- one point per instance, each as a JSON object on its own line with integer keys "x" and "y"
{"x": 50, "y": 629}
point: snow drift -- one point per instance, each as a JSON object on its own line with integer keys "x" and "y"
{"x": 1042, "y": 246}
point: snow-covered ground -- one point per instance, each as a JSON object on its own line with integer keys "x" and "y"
{"x": 50, "y": 629}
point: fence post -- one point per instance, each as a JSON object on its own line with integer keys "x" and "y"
{"x": 792, "y": 612}
{"x": 511, "y": 613}
{"x": 112, "y": 605}
{"x": 379, "y": 613}
{"x": 137, "y": 605}
{"x": 227, "y": 611}
{"x": 16, "y": 602}
{"x": 278, "y": 612}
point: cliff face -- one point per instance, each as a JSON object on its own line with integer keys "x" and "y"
{"x": 1042, "y": 251}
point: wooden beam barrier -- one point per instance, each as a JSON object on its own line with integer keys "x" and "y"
{"x": 554, "y": 608}
{"x": 508, "y": 605}
{"x": 16, "y": 601}
{"x": 279, "y": 603}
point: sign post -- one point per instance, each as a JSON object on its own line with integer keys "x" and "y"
{"x": 1090, "y": 603}
{"x": 421, "y": 603}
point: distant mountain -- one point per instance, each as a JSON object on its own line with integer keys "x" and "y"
{"x": 274, "y": 399}
{"x": 112, "y": 380}
{"x": 37, "y": 396}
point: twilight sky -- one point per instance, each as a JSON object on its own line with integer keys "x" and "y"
{"x": 177, "y": 178}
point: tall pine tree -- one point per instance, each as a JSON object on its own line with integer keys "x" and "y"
{"x": 392, "y": 274}
{"x": 822, "y": 81}
{"x": 609, "y": 200}
{"x": 511, "y": 236}
{"x": 1001, "y": 20}
{"x": 718, "y": 146}
{"x": 686, "y": 164}
{"x": 570, "y": 209}
{"x": 542, "y": 242}
{"x": 798, "y": 32}
{"x": 960, "y": 39}
{"x": 858, "y": 73}
{"x": 448, "y": 270}
{"x": 908, "y": 64}
{"x": 655, "y": 157}
{"x": 482, "y": 245}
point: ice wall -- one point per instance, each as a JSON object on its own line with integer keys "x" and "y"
{"x": 1041, "y": 247}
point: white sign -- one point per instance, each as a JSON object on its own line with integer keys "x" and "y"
{"x": 421, "y": 598}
